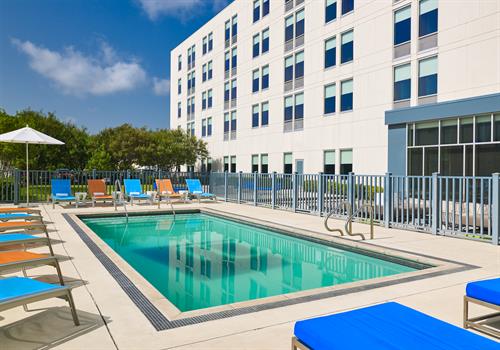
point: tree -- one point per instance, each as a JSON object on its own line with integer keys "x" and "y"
{"x": 73, "y": 154}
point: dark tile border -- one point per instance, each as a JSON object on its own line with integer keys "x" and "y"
{"x": 161, "y": 322}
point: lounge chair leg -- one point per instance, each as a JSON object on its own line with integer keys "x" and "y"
{"x": 25, "y": 306}
{"x": 71, "y": 303}
{"x": 466, "y": 312}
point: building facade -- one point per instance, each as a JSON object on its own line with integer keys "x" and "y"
{"x": 409, "y": 86}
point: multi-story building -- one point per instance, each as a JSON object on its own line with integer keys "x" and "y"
{"x": 408, "y": 86}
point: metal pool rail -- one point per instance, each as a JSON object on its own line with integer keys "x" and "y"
{"x": 468, "y": 207}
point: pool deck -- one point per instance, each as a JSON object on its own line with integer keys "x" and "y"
{"x": 110, "y": 320}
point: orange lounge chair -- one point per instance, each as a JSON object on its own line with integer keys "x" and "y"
{"x": 97, "y": 191}
{"x": 166, "y": 190}
{"x": 19, "y": 210}
{"x": 22, "y": 225}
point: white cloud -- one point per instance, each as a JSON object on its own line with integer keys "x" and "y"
{"x": 161, "y": 87}
{"x": 182, "y": 9}
{"x": 77, "y": 74}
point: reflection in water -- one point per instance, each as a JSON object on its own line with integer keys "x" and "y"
{"x": 198, "y": 261}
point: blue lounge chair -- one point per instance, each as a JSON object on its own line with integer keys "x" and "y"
{"x": 385, "y": 326}
{"x": 17, "y": 216}
{"x": 133, "y": 190}
{"x": 17, "y": 291}
{"x": 61, "y": 192}
{"x": 194, "y": 188}
{"x": 485, "y": 293}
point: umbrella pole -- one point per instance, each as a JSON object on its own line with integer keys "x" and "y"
{"x": 27, "y": 179}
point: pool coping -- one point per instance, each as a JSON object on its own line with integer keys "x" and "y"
{"x": 163, "y": 315}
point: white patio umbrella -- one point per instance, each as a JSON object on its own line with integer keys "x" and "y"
{"x": 28, "y": 135}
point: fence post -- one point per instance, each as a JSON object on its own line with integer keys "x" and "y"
{"x": 225, "y": 186}
{"x": 128, "y": 174}
{"x": 387, "y": 199}
{"x": 436, "y": 203}
{"x": 273, "y": 190}
{"x": 495, "y": 209}
{"x": 239, "y": 187}
{"x": 320, "y": 192}
{"x": 255, "y": 188}
{"x": 17, "y": 180}
{"x": 294, "y": 191}
{"x": 350, "y": 190}
{"x": 94, "y": 174}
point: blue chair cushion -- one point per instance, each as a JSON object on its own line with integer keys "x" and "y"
{"x": 14, "y": 215}
{"x": 140, "y": 195}
{"x": 15, "y": 237}
{"x": 15, "y": 287}
{"x": 387, "y": 326}
{"x": 487, "y": 290}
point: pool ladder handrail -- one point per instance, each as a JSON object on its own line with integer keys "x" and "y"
{"x": 119, "y": 198}
{"x": 350, "y": 217}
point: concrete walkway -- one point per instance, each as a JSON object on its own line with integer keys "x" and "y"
{"x": 110, "y": 320}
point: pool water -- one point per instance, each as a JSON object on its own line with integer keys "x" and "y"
{"x": 198, "y": 260}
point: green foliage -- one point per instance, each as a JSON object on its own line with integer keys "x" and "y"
{"x": 73, "y": 154}
{"x": 118, "y": 148}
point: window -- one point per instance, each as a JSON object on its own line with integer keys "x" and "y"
{"x": 179, "y": 109}
{"x": 299, "y": 65}
{"x": 347, "y": 47}
{"x": 179, "y": 86}
{"x": 427, "y": 77}
{"x": 264, "y": 114}
{"x": 330, "y": 52}
{"x": 227, "y": 31}
{"x": 289, "y": 28}
{"x": 299, "y": 23}
{"x": 329, "y": 162}
{"x": 288, "y": 111}
{"x": 288, "y": 68}
{"x": 204, "y": 100}
{"x": 233, "y": 164}
{"x": 226, "y": 92}
{"x": 255, "y": 116}
{"x": 204, "y": 73}
{"x": 346, "y": 96}
{"x": 209, "y": 73}
{"x": 203, "y": 127}
{"x": 402, "y": 25}
{"x": 264, "y": 161}
{"x": 299, "y": 106}
{"x": 330, "y": 10}
{"x": 345, "y": 161}
{"x": 255, "y": 80}
{"x": 233, "y": 121}
{"x": 233, "y": 90}
{"x": 234, "y": 26}
{"x": 428, "y": 19}
{"x": 210, "y": 42}
{"x": 265, "y": 40}
{"x": 204, "y": 45}
{"x": 209, "y": 99}
{"x": 226, "y": 164}
{"x": 179, "y": 62}
{"x": 427, "y": 133}
{"x": 190, "y": 128}
{"x": 483, "y": 128}
{"x": 265, "y": 7}
{"x": 227, "y": 62}
{"x": 466, "y": 130}
{"x": 234, "y": 58}
{"x": 402, "y": 82}
{"x": 496, "y": 127}
{"x": 449, "y": 131}
{"x": 330, "y": 99}
{"x": 256, "y": 10}
{"x": 287, "y": 163}
{"x": 256, "y": 45}
{"x": 209, "y": 126}
{"x": 255, "y": 163}
{"x": 347, "y": 6}
{"x": 226, "y": 123}
{"x": 265, "y": 77}
{"x": 189, "y": 57}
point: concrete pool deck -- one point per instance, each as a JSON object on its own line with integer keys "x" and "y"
{"x": 110, "y": 320}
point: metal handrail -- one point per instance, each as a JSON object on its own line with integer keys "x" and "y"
{"x": 119, "y": 198}
{"x": 350, "y": 217}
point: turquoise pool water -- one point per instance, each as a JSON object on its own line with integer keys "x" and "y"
{"x": 198, "y": 261}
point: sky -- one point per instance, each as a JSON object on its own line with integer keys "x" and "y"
{"x": 95, "y": 63}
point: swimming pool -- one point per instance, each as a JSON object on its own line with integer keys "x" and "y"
{"x": 198, "y": 260}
